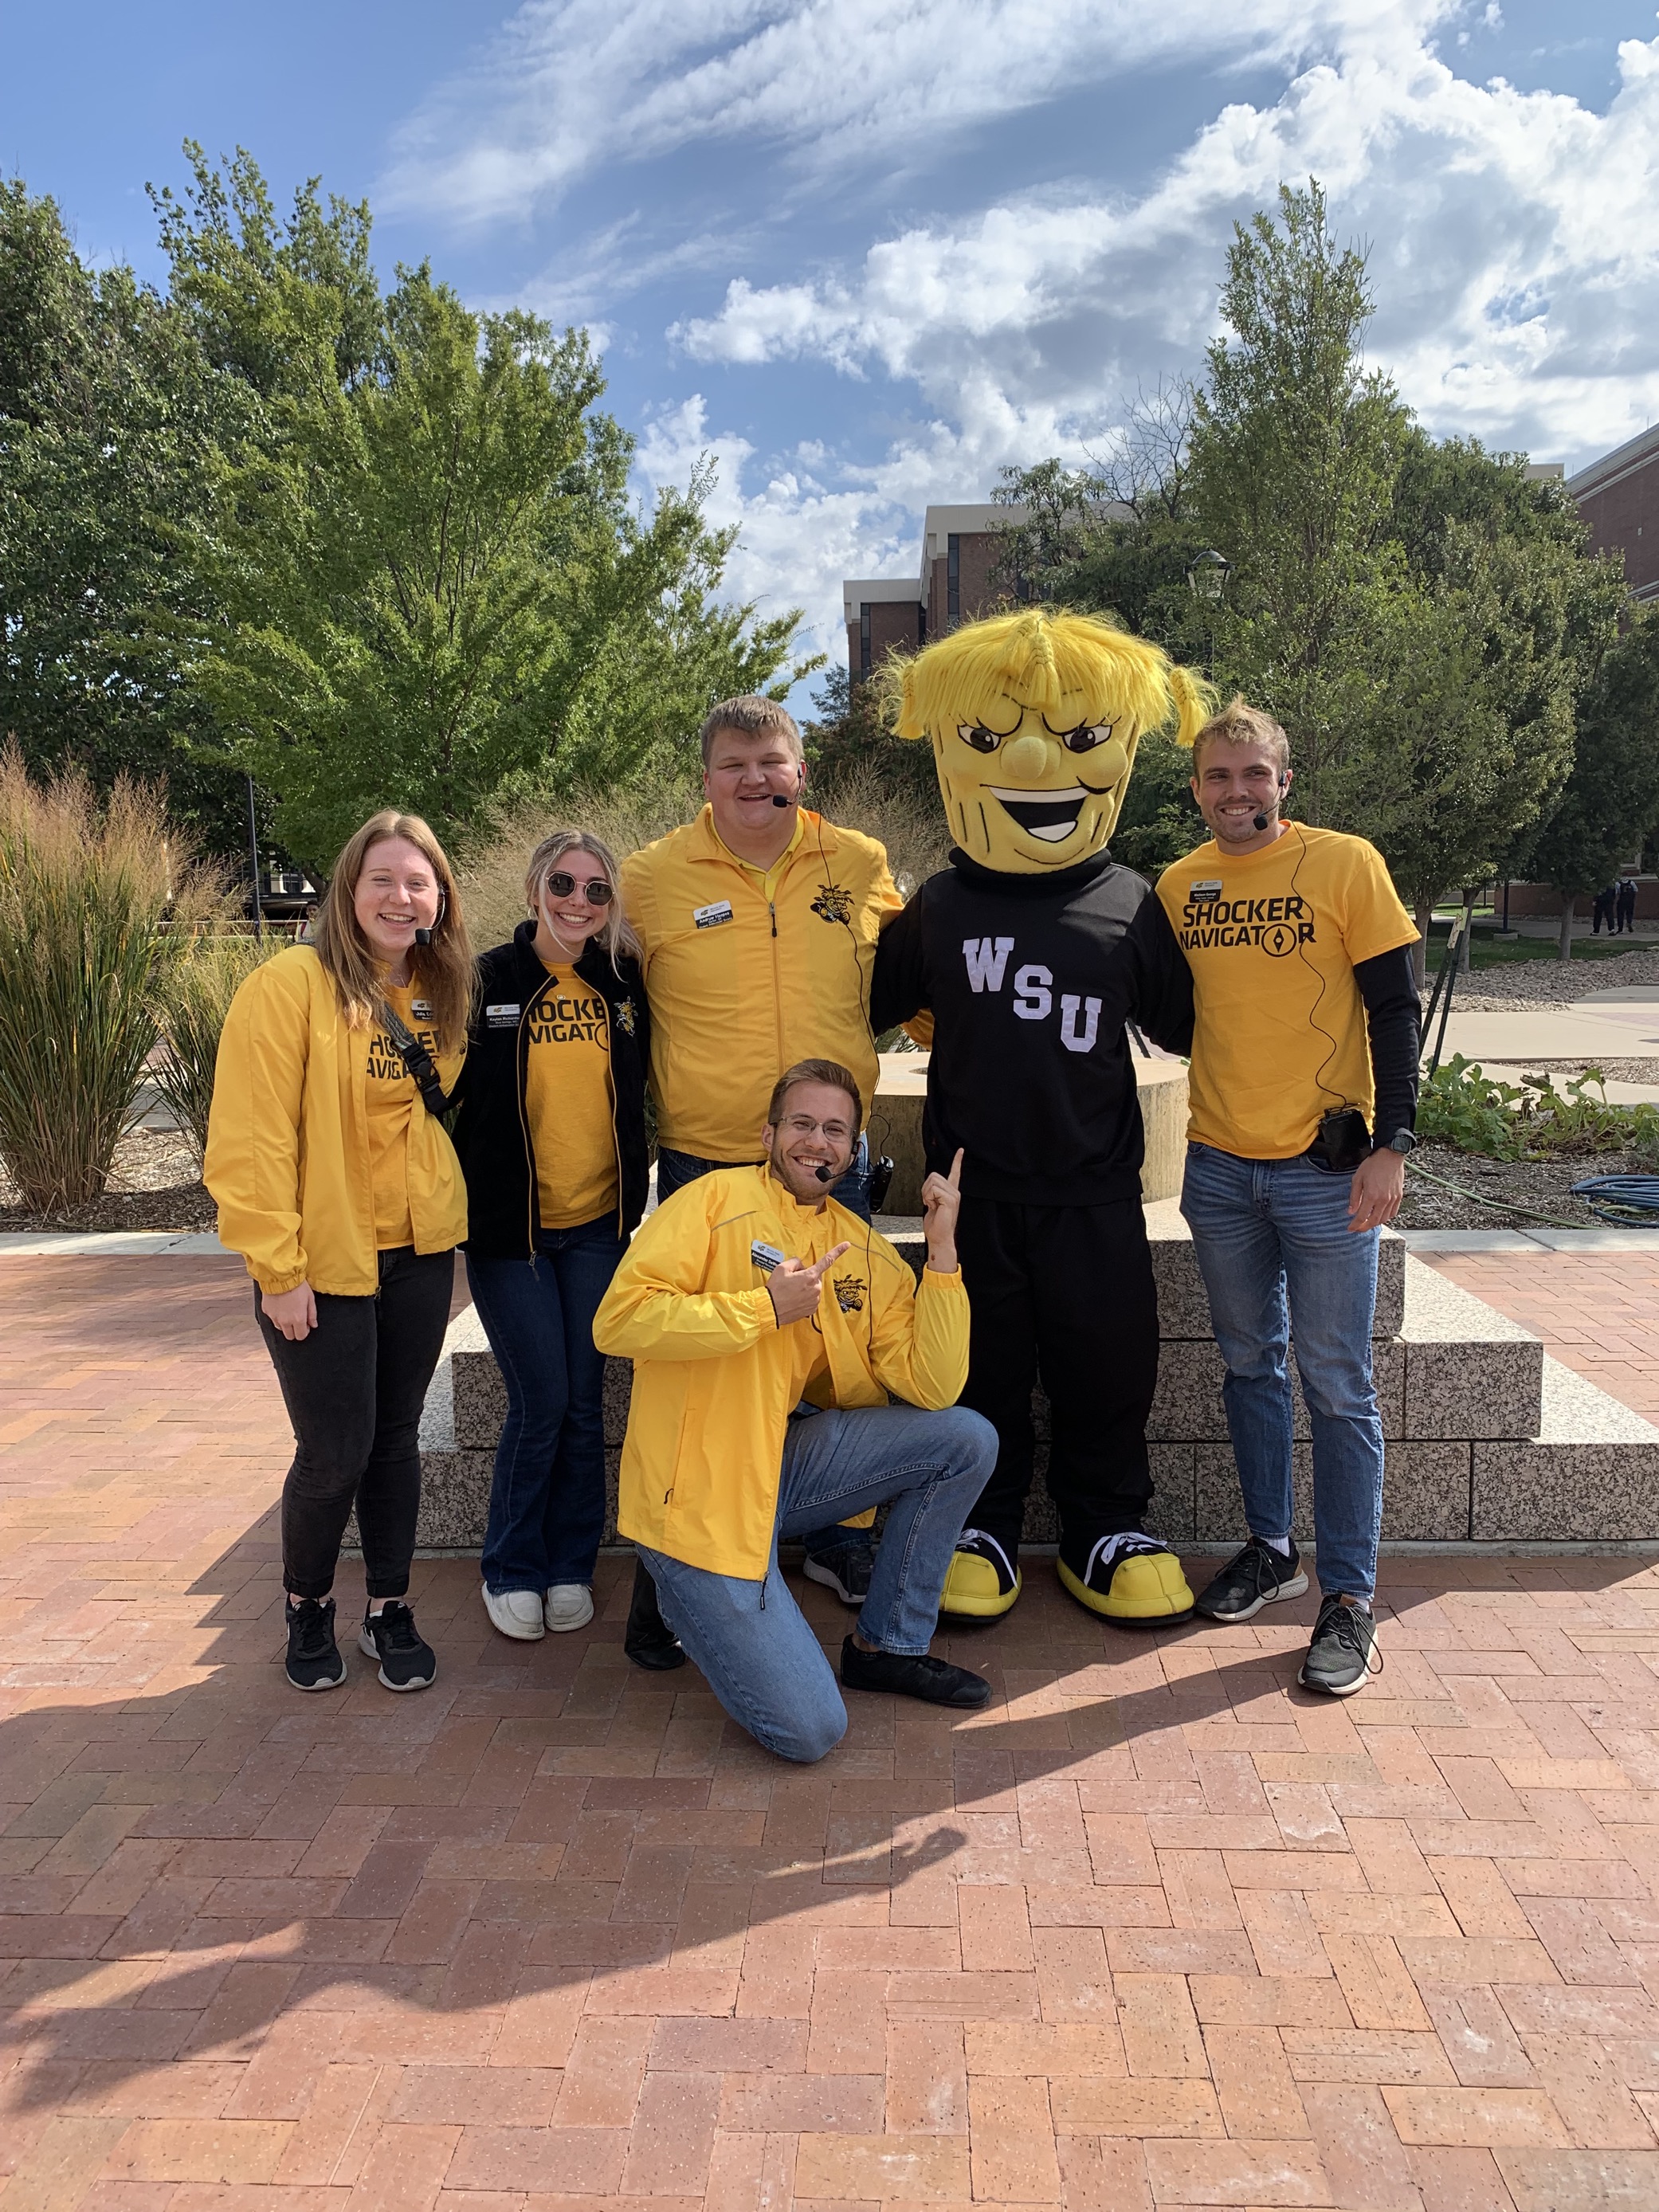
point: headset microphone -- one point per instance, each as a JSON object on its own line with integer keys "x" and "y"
{"x": 825, "y": 1175}
{"x": 1259, "y": 823}
{"x": 778, "y": 799}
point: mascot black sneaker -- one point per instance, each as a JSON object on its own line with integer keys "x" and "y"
{"x": 1128, "y": 1577}
{"x": 1255, "y": 1576}
{"x": 984, "y": 1577}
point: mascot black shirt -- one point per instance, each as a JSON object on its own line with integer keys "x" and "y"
{"x": 1029, "y": 980}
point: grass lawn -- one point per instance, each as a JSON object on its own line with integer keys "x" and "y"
{"x": 1485, "y": 951}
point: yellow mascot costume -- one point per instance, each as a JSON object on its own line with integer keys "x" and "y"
{"x": 1030, "y": 952}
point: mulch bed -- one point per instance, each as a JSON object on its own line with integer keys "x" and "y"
{"x": 156, "y": 1183}
{"x": 1544, "y": 1186}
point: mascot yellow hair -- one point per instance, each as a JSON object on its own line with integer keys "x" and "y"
{"x": 1034, "y": 719}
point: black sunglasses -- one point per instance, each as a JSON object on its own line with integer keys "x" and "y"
{"x": 597, "y": 891}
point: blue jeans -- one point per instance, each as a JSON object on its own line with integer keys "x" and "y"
{"x": 1264, "y": 1231}
{"x": 547, "y": 1500}
{"x": 753, "y": 1642}
{"x": 675, "y": 1169}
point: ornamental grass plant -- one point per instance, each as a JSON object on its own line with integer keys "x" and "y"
{"x": 85, "y": 885}
{"x": 202, "y": 974}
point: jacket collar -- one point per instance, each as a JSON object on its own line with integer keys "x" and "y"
{"x": 1062, "y": 885}
{"x": 593, "y": 965}
{"x": 704, "y": 843}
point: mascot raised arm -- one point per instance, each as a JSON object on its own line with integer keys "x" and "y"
{"x": 1030, "y": 951}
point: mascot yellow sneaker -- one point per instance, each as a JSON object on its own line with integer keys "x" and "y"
{"x": 1128, "y": 1578}
{"x": 984, "y": 1579}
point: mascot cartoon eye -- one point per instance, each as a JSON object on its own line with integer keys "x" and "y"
{"x": 976, "y": 735}
{"x": 1087, "y": 737}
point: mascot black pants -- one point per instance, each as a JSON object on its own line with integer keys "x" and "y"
{"x": 1063, "y": 1295}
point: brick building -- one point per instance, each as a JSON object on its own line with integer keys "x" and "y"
{"x": 961, "y": 551}
{"x": 1619, "y": 499}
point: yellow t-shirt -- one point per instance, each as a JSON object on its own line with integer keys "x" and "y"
{"x": 1273, "y": 939}
{"x": 567, "y": 1098}
{"x": 392, "y": 1097}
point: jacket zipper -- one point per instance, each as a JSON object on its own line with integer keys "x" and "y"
{"x": 521, "y": 1057}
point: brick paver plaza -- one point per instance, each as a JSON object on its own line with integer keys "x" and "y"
{"x": 1155, "y": 1928}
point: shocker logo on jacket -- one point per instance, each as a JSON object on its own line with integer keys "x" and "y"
{"x": 849, "y": 1292}
{"x": 833, "y": 904}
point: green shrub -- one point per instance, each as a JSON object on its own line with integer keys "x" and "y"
{"x": 84, "y": 886}
{"x": 193, "y": 994}
{"x": 1465, "y": 1107}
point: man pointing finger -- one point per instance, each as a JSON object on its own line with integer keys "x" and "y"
{"x": 767, "y": 1327}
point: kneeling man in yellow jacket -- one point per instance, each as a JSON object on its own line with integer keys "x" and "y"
{"x": 767, "y": 1326}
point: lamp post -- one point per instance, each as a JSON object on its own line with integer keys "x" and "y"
{"x": 1206, "y": 575}
{"x": 1206, "y": 578}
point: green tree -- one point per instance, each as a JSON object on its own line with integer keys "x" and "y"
{"x": 1610, "y": 804}
{"x": 426, "y": 575}
{"x": 108, "y": 415}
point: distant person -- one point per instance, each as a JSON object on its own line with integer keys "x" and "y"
{"x": 307, "y": 932}
{"x": 759, "y": 923}
{"x": 551, "y": 1138}
{"x": 336, "y": 1182}
{"x": 1604, "y": 910}
{"x": 1627, "y": 907}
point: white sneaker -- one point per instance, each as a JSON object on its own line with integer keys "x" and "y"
{"x": 515, "y": 1612}
{"x": 569, "y": 1605}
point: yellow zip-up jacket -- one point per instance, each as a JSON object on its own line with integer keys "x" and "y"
{"x": 739, "y": 989}
{"x": 288, "y": 1138}
{"x": 715, "y": 1378}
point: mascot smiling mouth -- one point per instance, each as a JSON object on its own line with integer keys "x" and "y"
{"x": 1050, "y": 815}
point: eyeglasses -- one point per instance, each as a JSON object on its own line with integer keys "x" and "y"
{"x": 596, "y": 891}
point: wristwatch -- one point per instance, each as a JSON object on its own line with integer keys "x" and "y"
{"x": 1402, "y": 1141}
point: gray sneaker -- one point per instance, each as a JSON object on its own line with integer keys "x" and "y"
{"x": 1339, "y": 1660}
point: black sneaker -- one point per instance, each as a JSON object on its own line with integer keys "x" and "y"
{"x": 1258, "y": 1576}
{"x": 407, "y": 1660}
{"x": 313, "y": 1657}
{"x": 648, "y": 1639}
{"x": 935, "y": 1680}
{"x": 844, "y": 1568}
{"x": 1339, "y": 1660}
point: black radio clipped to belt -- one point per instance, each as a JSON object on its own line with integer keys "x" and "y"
{"x": 1343, "y": 1141}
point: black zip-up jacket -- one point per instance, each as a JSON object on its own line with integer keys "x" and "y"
{"x": 1029, "y": 980}
{"x": 492, "y": 1133}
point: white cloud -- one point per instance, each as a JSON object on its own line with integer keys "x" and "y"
{"x": 572, "y": 86}
{"x": 1515, "y": 254}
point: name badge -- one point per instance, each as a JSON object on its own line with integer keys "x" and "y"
{"x": 1205, "y": 890}
{"x": 765, "y": 1256}
{"x": 710, "y": 917}
{"x": 501, "y": 1018}
{"x": 421, "y": 1010}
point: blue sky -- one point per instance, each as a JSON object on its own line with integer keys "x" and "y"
{"x": 867, "y": 251}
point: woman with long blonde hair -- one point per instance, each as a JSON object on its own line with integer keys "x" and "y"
{"x": 552, "y": 1139}
{"x": 337, "y": 1182}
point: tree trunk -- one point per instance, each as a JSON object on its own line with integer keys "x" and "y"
{"x": 1423, "y": 914}
{"x": 1564, "y": 949}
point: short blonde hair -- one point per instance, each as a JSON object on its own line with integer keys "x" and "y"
{"x": 1239, "y": 724}
{"x": 750, "y": 716}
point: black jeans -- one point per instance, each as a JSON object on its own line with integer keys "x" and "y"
{"x": 353, "y": 1389}
{"x": 1063, "y": 1294}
